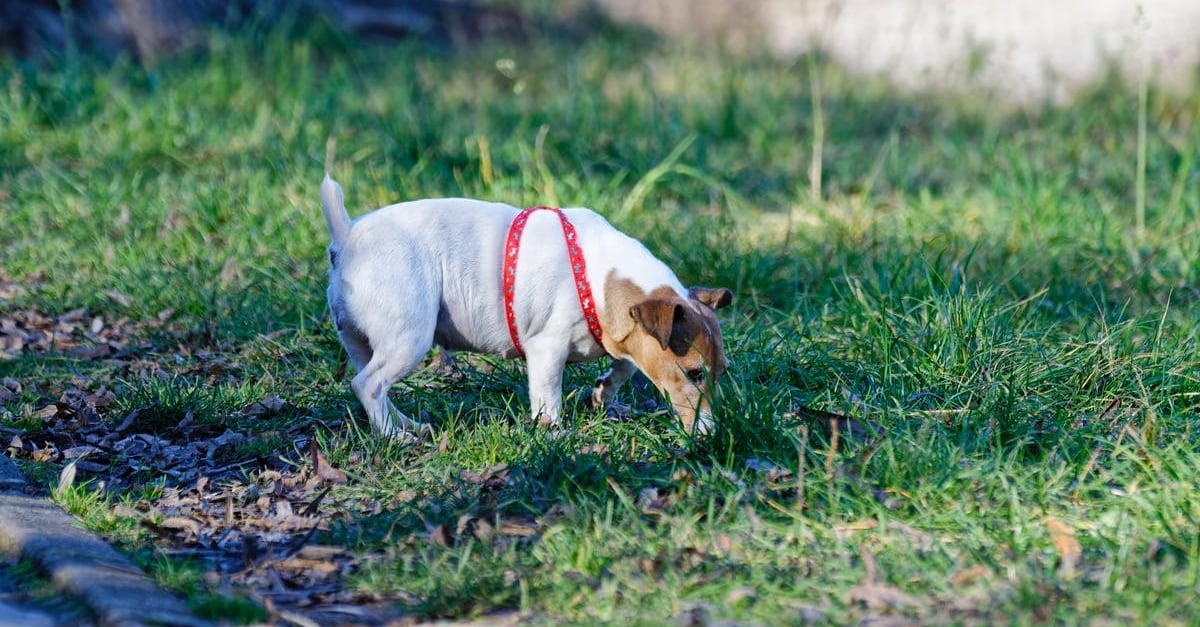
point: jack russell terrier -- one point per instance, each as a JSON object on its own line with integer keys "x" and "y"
{"x": 554, "y": 286}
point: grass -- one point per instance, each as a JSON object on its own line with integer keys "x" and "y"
{"x": 1009, "y": 295}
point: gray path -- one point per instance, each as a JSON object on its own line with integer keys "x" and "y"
{"x": 76, "y": 562}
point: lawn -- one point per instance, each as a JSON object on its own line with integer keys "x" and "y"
{"x": 996, "y": 309}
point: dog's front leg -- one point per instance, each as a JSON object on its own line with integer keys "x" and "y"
{"x": 545, "y": 365}
{"x": 605, "y": 394}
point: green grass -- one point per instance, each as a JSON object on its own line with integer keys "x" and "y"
{"x": 971, "y": 279}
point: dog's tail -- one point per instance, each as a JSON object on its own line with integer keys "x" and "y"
{"x": 333, "y": 203}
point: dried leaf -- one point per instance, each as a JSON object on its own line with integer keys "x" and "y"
{"x": 119, "y": 298}
{"x": 75, "y": 315}
{"x": 322, "y": 468}
{"x": 320, "y": 552}
{"x": 970, "y": 575}
{"x": 723, "y": 543}
{"x": 268, "y": 406}
{"x": 594, "y": 449}
{"x": 740, "y": 594}
{"x": 79, "y": 451}
{"x": 440, "y": 536}
{"x": 880, "y": 596}
{"x": 179, "y": 523}
{"x": 128, "y": 421}
{"x": 48, "y": 412}
{"x": 1069, "y": 549}
{"x": 66, "y": 479}
{"x": 651, "y": 502}
{"x": 848, "y": 529}
{"x": 483, "y": 530}
{"x": 319, "y": 567}
{"x": 498, "y": 471}
{"x": 517, "y": 528}
{"x": 43, "y": 455}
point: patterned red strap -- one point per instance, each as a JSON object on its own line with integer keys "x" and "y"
{"x": 512, "y": 245}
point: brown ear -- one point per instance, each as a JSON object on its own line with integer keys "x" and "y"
{"x": 657, "y": 317}
{"x": 715, "y": 297}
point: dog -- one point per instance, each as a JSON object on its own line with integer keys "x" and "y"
{"x": 554, "y": 286}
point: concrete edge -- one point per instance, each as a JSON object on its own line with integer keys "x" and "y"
{"x": 78, "y": 562}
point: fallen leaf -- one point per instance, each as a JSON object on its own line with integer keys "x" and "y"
{"x": 179, "y": 523}
{"x": 1068, "y": 547}
{"x": 265, "y": 407}
{"x": 483, "y": 530}
{"x": 43, "y": 455}
{"x": 322, "y": 468}
{"x": 119, "y": 298}
{"x": 66, "y": 479}
{"x": 970, "y": 575}
{"x": 79, "y": 451}
{"x": 740, "y": 594}
{"x": 848, "y": 529}
{"x": 47, "y": 412}
{"x": 75, "y": 315}
{"x": 880, "y": 596}
{"x": 320, "y": 552}
{"x": 498, "y": 471}
{"x": 517, "y": 528}
{"x": 440, "y": 536}
{"x": 723, "y": 543}
{"x": 651, "y": 502}
{"x": 594, "y": 449}
{"x": 320, "y": 567}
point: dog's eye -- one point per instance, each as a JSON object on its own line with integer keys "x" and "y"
{"x": 696, "y": 375}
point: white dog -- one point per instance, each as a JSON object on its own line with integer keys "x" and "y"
{"x": 555, "y": 286}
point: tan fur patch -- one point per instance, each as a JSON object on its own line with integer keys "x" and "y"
{"x": 676, "y": 341}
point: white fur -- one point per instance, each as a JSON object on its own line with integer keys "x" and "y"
{"x": 415, "y": 274}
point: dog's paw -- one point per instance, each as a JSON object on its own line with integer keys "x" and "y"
{"x": 411, "y": 433}
{"x": 618, "y": 411}
{"x": 403, "y": 437}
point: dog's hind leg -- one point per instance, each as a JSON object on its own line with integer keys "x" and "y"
{"x": 356, "y": 344}
{"x": 358, "y": 347}
{"x": 380, "y": 365}
{"x": 371, "y": 385}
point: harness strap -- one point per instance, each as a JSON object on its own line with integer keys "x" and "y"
{"x": 512, "y": 246}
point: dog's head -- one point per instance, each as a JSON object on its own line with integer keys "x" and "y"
{"x": 676, "y": 341}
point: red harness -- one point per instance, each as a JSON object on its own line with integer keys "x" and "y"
{"x": 513, "y": 243}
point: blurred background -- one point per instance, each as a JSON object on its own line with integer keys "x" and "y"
{"x": 1022, "y": 51}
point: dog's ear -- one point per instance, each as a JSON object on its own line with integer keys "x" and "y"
{"x": 715, "y": 297}
{"x": 658, "y": 318}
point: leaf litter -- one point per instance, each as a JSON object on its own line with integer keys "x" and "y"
{"x": 249, "y": 517}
